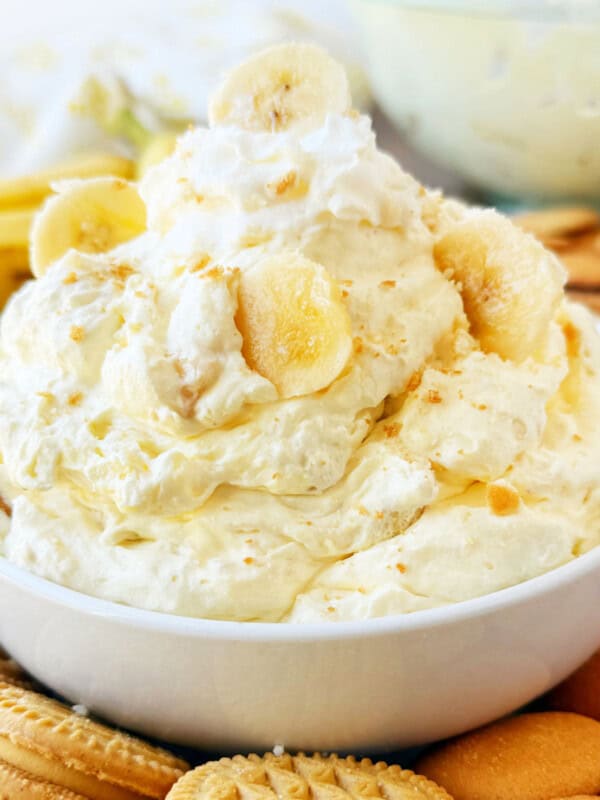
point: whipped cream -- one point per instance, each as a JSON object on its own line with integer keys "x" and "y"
{"x": 148, "y": 463}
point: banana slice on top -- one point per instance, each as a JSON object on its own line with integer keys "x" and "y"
{"x": 510, "y": 285}
{"x": 294, "y": 323}
{"x": 92, "y": 216}
{"x": 279, "y": 86}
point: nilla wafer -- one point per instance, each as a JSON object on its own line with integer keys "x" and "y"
{"x": 49, "y": 742}
{"x": 18, "y": 785}
{"x": 302, "y": 777}
{"x": 529, "y": 757}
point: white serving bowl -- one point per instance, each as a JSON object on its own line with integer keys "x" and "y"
{"x": 505, "y": 93}
{"x": 365, "y": 686}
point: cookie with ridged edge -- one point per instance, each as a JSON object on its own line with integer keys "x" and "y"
{"x": 18, "y": 785}
{"x": 534, "y": 756}
{"x": 303, "y": 777}
{"x": 49, "y": 741}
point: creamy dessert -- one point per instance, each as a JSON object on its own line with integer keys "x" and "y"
{"x": 281, "y": 381}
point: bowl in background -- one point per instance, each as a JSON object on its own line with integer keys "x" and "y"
{"x": 504, "y": 93}
{"x": 368, "y": 686}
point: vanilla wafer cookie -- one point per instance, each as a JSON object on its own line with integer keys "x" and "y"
{"x": 18, "y": 785}
{"x": 559, "y": 221}
{"x": 302, "y": 777}
{"x": 534, "y": 756}
{"x": 47, "y": 740}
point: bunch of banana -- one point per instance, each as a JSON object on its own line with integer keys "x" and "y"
{"x": 79, "y": 216}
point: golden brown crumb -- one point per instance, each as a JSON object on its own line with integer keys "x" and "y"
{"x": 363, "y": 511}
{"x": 391, "y": 350}
{"x": 214, "y": 274}
{"x": 502, "y": 500}
{"x": 121, "y": 272}
{"x": 379, "y": 515}
{"x": 576, "y": 437}
{"x": 387, "y": 284}
{"x": 573, "y": 339}
{"x": 248, "y": 560}
{"x": 344, "y": 293}
{"x": 282, "y": 185}
{"x": 71, "y": 278}
{"x": 433, "y": 396}
{"x": 414, "y": 381}
{"x": 201, "y": 263}
{"x": 358, "y": 344}
{"x": 391, "y": 430}
{"x": 401, "y": 567}
{"x": 75, "y": 399}
{"x": 77, "y": 333}
{"x": 5, "y": 507}
{"x": 331, "y": 609}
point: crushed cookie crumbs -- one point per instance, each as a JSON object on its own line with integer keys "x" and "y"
{"x": 401, "y": 567}
{"x": 433, "y": 396}
{"x": 414, "y": 381}
{"x": 391, "y": 430}
{"x": 75, "y": 399}
{"x": 248, "y": 560}
{"x": 77, "y": 333}
{"x": 121, "y": 272}
{"x": 281, "y": 186}
{"x": 572, "y": 338}
{"x": 70, "y": 278}
{"x": 200, "y": 264}
{"x": 358, "y": 344}
{"x": 363, "y": 511}
{"x": 5, "y": 507}
{"x": 502, "y": 500}
{"x": 387, "y": 284}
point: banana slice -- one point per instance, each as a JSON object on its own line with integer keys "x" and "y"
{"x": 279, "y": 86}
{"x": 29, "y": 190}
{"x": 510, "y": 285}
{"x": 295, "y": 326}
{"x": 92, "y": 216}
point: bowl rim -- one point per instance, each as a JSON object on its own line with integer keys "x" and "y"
{"x": 535, "y": 11}
{"x": 194, "y": 627}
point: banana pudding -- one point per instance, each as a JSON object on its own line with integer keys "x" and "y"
{"x": 279, "y": 380}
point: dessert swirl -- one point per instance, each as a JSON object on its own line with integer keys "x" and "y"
{"x": 280, "y": 380}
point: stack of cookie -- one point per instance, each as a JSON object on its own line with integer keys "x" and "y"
{"x": 573, "y": 233}
{"x": 50, "y": 752}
